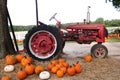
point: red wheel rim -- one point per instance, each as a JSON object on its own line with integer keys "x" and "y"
{"x": 42, "y": 44}
{"x": 100, "y": 52}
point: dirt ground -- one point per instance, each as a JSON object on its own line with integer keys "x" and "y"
{"x": 98, "y": 69}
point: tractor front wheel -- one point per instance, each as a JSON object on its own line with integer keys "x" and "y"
{"x": 99, "y": 51}
{"x": 43, "y": 42}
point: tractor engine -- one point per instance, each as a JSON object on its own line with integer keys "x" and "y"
{"x": 85, "y": 36}
{"x": 86, "y": 33}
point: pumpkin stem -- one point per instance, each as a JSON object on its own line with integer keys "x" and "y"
{"x": 25, "y": 56}
{"x": 65, "y": 60}
{"x": 29, "y": 63}
{"x": 73, "y": 64}
{"x": 70, "y": 66}
{"x": 77, "y": 62}
{"x": 21, "y": 69}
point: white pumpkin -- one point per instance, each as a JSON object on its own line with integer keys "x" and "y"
{"x": 8, "y": 68}
{"x": 44, "y": 75}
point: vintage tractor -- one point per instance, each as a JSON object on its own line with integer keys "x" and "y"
{"x": 43, "y": 42}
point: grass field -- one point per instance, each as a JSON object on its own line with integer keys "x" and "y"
{"x": 113, "y": 39}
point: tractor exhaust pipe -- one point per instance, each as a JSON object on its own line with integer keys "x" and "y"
{"x": 88, "y": 15}
{"x": 36, "y": 6}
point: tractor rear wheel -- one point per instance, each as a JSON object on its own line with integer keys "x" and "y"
{"x": 43, "y": 42}
{"x": 99, "y": 51}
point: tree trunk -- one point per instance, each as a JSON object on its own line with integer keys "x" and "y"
{"x": 6, "y": 44}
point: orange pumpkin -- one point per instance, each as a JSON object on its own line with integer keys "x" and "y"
{"x": 7, "y": 56}
{"x": 30, "y": 69}
{"x": 26, "y": 60}
{"x": 39, "y": 69}
{"x": 61, "y": 60}
{"x": 60, "y": 73}
{"x": 88, "y": 58}
{"x": 54, "y": 62}
{"x": 19, "y": 57}
{"x": 5, "y": 78}
{"x": 54, "y": 69}
{"x": 78, "y": 69}
{"x": 71, "y": 71}
{"x": 65, "y": 64}
{"x": 10, "y": 59}
{"x": 59, "y": 65}
{"x": 64, "y": 69}
{"x": 49, "y": 66}
{"x": 21, "y": 74}
{"x": 78, "y": 64}
{"x": 29, "y": 59}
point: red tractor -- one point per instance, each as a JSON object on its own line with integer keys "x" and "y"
{"x": 43, "y": 42}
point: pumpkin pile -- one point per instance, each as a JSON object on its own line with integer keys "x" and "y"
{"x": 28, "y": 68}
{"x": 61, "y": 67}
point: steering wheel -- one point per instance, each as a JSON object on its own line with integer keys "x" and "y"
{"x": 53, "y": 17}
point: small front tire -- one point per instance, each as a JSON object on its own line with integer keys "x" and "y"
{"x": 99, "y": 51}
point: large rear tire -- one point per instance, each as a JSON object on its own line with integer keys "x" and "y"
{"x": 43, "y": 42}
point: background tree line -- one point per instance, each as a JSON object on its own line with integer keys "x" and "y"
{"x": 21, "y": 27}
{"x": 108, "y": 23}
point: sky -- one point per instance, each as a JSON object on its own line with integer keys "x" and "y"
{"x": 23, "y": 12}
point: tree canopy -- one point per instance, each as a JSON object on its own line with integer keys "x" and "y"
{"x": 99, "y": 20}
{"x": 116, "y": 3}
